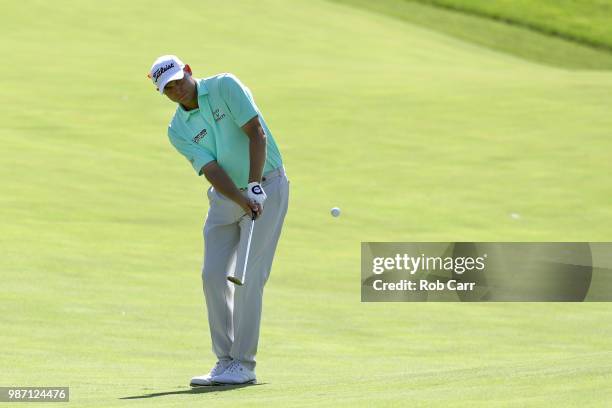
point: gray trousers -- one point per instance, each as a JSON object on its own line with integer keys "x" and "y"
{"x": 234, "y": 312}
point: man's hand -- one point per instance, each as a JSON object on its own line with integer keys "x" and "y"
{"x": 257, "y": 194}
{"x": 254, "y": 199}
{"x": 250, "y": 207}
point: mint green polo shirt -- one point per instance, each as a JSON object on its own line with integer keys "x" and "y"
{"x": 213, "y": 131}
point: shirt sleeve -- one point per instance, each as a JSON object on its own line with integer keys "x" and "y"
{"x": 238, "y": 99}
{"x": 198, "y": 156}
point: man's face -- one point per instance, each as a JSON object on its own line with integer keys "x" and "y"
{"x": 181, "y": 90}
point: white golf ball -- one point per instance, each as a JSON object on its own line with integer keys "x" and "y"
{"x": 335, "y": 211}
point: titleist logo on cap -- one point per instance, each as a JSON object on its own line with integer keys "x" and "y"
{"x": 161, "y": 70}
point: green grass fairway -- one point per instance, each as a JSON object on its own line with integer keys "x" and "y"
{"x": 416, "y": 135}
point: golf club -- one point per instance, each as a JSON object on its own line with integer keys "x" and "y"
{"x": 240, "y": 280}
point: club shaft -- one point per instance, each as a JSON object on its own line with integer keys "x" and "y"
{"x": 248, "y": 249}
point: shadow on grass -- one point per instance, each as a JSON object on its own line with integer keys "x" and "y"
{"x": 195, "y": 390}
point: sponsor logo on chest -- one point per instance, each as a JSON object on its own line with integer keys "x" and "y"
{"x": 218, "y": 114}
{"x": 200, "y": 136}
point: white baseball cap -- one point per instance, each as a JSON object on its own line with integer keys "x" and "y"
{"x": 165, "y": 69}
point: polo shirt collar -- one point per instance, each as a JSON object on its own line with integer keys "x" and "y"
{"x": 202, "y": 90}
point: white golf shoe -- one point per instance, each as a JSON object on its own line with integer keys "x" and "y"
{"x": 235, "y": 373}
{"x": 219, "y": 368}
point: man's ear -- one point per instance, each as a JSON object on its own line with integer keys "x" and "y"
{"x": 187, "y": 69}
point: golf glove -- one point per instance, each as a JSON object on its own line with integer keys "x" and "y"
{"x": 256, "y": 193}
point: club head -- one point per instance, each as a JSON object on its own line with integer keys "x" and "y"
{"x": 234, "y": 280}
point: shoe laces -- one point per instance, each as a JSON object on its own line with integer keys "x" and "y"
{"x": 218, "y": 367}
{"x": 233, "y": 367}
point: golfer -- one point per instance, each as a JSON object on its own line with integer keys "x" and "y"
{"x": 220, "y": 131}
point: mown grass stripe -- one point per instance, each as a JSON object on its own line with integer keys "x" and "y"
{"x": 501, "y": 15}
